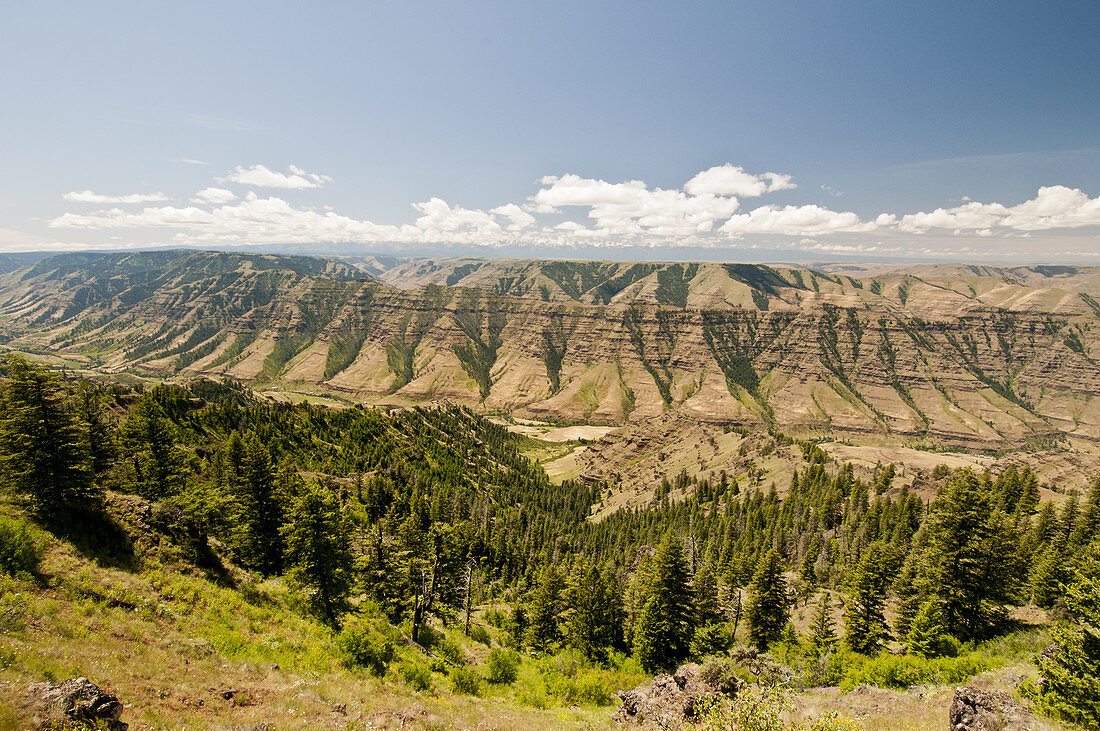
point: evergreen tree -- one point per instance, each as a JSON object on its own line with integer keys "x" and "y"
{"x": 662, "y": 637}
{"x": 43, "y": 447}
{"x": 318, "y": 550}
{"x": 926, "y": 630}
{"x": 1070, "y": 686}
{"x": 864, "y": 621}
{"x": 542, "y": 627}
{"x": 708, "y": 609}
{"x": 593, "y": 616}
{"x": 101, "y": 445}
{"x": 768, "y": 607}
{"x": 822, "y": 628}
{"x": 261, "y": 504}
{"x": 153, "y": 464}
{"x": 1050, "y": 571}
{"x": 972, "y": 557}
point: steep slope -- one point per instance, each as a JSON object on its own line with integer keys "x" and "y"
{"x": 976, "y": 358}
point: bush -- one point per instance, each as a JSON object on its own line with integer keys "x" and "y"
{"x": 497, "y": 618}
{"x": 503, "y": 666}
{"x": 19, "y": 552}
{"x": 903, "y": 671}
{"x": 756, "y": 709}
{"x": 725, "y": 675}
{"x": 480, "y": 634}
{"x": 465, "y": 681}
{"x": 417, "y": 676}
{"x": 452, "y": 651}
{"x": 359, "y": 647}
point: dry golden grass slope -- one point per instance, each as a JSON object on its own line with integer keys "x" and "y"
{"x": 170, "y": 642}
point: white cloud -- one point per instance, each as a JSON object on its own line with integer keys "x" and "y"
{"x": 260, "y": 176}
{"x": 439, "y": 219}
{"x": 730, "y": 180}
{"x": 192, "y": 161}
{"x": 519, "y": 218}
{"x": 1054, "y": 207}
{"x": 87, "y": 196}
{"x": 214, "y": 195}
{"x": 630, "y": 208}
{"x": 809, "y": 220}
{"x": 706, "y": 212}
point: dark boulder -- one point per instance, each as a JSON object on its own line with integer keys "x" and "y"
{"x": 75, "y": 701}
{"x": 669, "y": 700}
{"x": 975, "y": 709}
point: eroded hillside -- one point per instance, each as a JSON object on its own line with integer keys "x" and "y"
{"x": 936, "y": 356}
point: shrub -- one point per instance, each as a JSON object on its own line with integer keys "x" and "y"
{"x": 417, "y": 676}
{"x": 903, "y": 671}
{"x": 480, "y": 634}
{"x": 359, "y": 647}
{"x": 465, "y": 681}
{"x": 756, "y": 709}
{"x": 503, "y": 666}
{"x": 724, "y": 674}
{"x": 452, "y": 651}
{"x": 19, "y": 552}
{"x": 497, "y": 618}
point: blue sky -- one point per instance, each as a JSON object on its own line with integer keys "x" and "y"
{"x": 921, "y": 130}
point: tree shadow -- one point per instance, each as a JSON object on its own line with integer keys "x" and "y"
{"x": 97, "y": 535}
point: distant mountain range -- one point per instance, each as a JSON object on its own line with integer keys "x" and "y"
{"x": 934, "y": 356}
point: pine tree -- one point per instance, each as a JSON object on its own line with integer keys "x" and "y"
{"x": 153, "y": 464}
{"x": 1050, "y": 571}
{"x": 318, "y": 550}
{"x": 926, "y": 630}
{"x": 822, "y": 628}
{"x": 662, "y": 637}
{"x": 1070, "y": 674}
{"x": 593, "y": 617}
{"x": 542, "y": 627}
{"x": 708, "y": 609}
{"x": 43, "y": 447}
{"x": 972, "y": 558}
{"x": 101, "y": 445}
{"x": 864, "y": 620}
{"x": 261, "y": 505}
{"x": 768, "y": 607}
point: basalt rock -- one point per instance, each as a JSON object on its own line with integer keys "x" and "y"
{"x": 76, "y": 701}
{"x": 668, "y": 700}
{"x": 975, "y": 709}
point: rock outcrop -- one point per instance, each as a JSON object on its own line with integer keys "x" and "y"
{"x": 974, "y": 709}
{"x": 77, "y": 701}
{"x": 669, "y": 700}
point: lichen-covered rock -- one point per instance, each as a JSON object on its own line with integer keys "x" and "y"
{"x": 667, "y": 700}
{"x": 975, "y": 709}
{"x": 75, "y": 701}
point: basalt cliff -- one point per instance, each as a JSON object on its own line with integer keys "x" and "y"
{"x": 936, "y": 356}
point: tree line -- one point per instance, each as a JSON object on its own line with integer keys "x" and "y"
{"x": 429, "y": 509}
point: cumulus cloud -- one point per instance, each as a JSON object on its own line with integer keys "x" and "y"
{"x": 622, "y": 209}
{"x": 518, "y": 218}
{"x": 732, "y": 180}
{"x": 1054, "y": 206}
{"x": 809, "y": 220}
{"x": 260, "y": 176}
{"x": 87, "y": 196}
{"x": 214, "y": 195}
{"x": 705, "y": 212}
